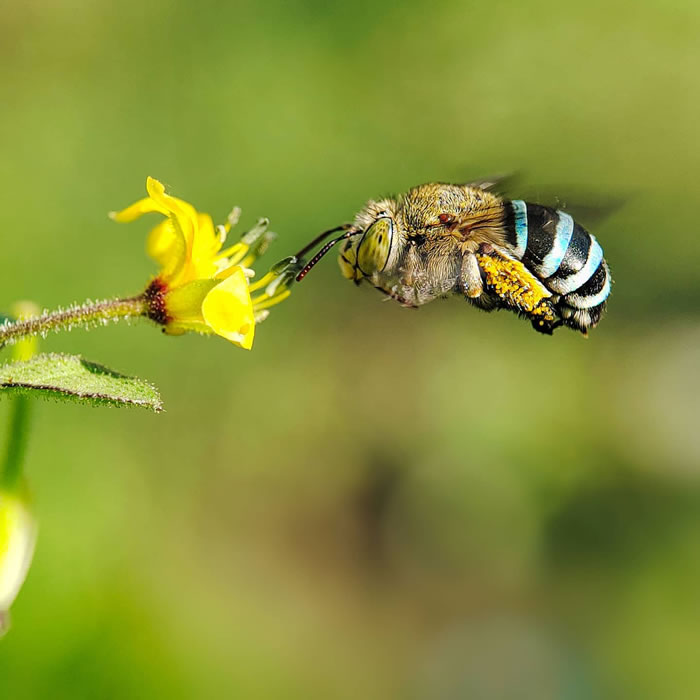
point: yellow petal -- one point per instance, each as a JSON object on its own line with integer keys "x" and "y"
{"x": 185, "y": 303}
{"x": 228, "y": 310}
{"x": 143, "y": 206}
{"x": 202, "y": 244}
{"x": 167, "y": 242}
{"x": 205, "y": 248}
{"x": 156, "y": 191}
{"x": 166, "y": 245}
{"x": 185, "y": 213}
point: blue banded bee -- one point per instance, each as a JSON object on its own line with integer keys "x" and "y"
{"x": 441, "y": 239}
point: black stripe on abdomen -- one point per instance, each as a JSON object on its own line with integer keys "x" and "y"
{"x": 576, "y": 254}
{"x": 593, "y": 292}
{"x": 595, "y": 284}
{"x": 542, "y": 227}
{"x": 509, "y": 224}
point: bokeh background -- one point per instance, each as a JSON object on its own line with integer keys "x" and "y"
{"x": 375, "y": 502}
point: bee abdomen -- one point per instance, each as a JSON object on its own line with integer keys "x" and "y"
{"x": 564, "y": 256}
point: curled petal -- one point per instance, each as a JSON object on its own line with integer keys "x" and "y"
{"x": 166, "y": 245}
{"x": 182, "y": 213}
{"x": 228, "y": 310}
{"x": 137, "y": 209}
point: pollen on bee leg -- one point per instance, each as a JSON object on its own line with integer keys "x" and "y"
{"x": 513, "y": 283}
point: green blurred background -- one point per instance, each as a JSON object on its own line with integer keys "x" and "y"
{"x": 376, "y": 502}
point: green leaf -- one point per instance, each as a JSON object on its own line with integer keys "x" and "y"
{"x": 71, "y": 378}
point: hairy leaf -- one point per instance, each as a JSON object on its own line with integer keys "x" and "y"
{"x": 70, "y": 377}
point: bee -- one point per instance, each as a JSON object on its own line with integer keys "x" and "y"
{"x": 441, "y": 239}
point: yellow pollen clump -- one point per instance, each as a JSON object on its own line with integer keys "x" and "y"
{"x": 512, "y": 281}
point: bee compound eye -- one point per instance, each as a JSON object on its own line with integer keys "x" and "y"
{"x": 375, "y": 246}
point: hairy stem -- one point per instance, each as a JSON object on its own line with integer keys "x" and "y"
{"x": 80, "y": 316}
{"x": 17, "y": 443}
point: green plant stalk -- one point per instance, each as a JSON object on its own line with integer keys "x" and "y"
{"x": 20, "y": 414}
{"x": 85, "y": 315}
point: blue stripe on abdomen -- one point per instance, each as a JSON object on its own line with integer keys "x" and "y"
{"x": 560, "y": 244}
{"x": 520, "y": 212}
{"x": 573, "y": 282}
{"x": 592, "y": 293}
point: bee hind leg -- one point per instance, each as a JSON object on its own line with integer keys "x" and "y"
{"x": 545, "y": 317}
{"x": 544, "y": 327}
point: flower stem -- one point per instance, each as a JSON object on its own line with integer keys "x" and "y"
{"x": 78, "y": 316}
{"x": 16, "y": 444}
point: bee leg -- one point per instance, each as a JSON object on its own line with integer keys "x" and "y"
{"x": 470, "y": 276}
{"x": 396, "y": 297}
{"x": 546, "y": 327}
{"x": 545, "y": 318}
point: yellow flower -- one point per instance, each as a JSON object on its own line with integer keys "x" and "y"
{"x": 17, "y": 538}
{"x": 201, "y": 287}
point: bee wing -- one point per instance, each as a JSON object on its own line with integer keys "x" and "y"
{"x": 501, "y": 183}
{"x": 590, "y": 208}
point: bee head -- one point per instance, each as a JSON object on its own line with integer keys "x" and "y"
{"x": 371, "y": 252}
{"x": 376, "y": 248}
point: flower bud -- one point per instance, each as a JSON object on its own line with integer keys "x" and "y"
{"x": 17, "y": 538}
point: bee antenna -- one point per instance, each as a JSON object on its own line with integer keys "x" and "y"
{"x": 319, "y": 238}
{"x": 323, "y": 251}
